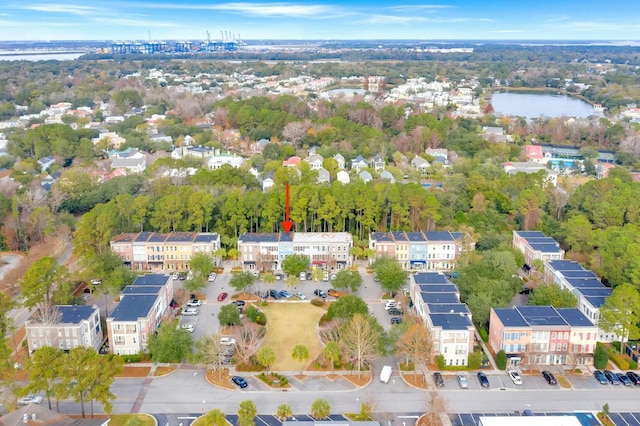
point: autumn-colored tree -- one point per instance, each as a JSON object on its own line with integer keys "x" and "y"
{"x": 415, "y": 345}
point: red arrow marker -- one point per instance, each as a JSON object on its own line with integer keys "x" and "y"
{"x": 287, "y": 224}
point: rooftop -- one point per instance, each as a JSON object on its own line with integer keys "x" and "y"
{"x": 133, "y": 307}
{"x": 451, "y": 321}
{"x": 541, "y": 315}
{"x": 452, "y": 308}
{"x": 151, "y": 279}
{"x": 142, "y": 289}
{"x": 73, "y": 314}
{"x": 439, "y": 297}
{"x": 430, "y": 278}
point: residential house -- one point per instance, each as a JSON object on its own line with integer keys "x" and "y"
{"x": 324, "y": 176}
{"x": 420, "y": 164}
{"x": 358, "y": 163}
{"x": 112, "y": 139}
{"x": 536, "y": 246}
{"x": 585, "y": 285}
{"x": 542, "y": 335}
{"x": 437, "y": 303}
{"x": 220, "y": 159}
{"x": 386, "y": 175}
{"x": 534, "y": 154}
{"x": 419, "y": 251}
{"x": 200, "y": 152}
{"x": 155, "y": 251}
{"x": 340, "y": 160}
{"x": 515, "y": 167}
{"x": 259, "y": 146}
{"x": 267, "y": 180}
{"x": 46, "y": 162}
{"x": 127, "y": 153}
{"x": 378, "y": 163}
{"x": 139, "y": 313}
{"x": 440, "y": 155}
{"x": 495, "y": 134}
{"x": 365, "y": 176}
{"x": 160, "y": 137}
{"x": 131, "y": 165}
{"x": 343, "y": 177}
{"x": 602, "y": 170}
{"x": 72, "y": 326}
{"x": 266, "y": 252}
{"x": 292, "y": 161}
{"x": 315, "y": 161}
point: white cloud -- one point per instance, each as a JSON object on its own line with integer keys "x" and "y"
{"x": 69, "y": 9}
{"x": 507, "y": 31}
{"x": 422, "y": 7}
{"x": 389, "y": 19}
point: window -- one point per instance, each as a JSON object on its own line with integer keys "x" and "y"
{"x": 553, "y": 335}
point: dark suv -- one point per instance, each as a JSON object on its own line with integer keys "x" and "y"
{"x": 484, "y": 381}
{"x": 612, "y": 377}
{"x": 548, "y": 376}
{"x": 600, "y": 377}
{"x": 274, "y": 293}
{"x": 437, "y": 378}
{"x": 635, "y": 379}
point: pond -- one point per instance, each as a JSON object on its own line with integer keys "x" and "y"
{"x": 535, "y": 105}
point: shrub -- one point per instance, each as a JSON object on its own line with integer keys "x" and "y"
{"x": 252, "y": 312}
{"x": 317, "y": 302}
{"x": 475, "y": 360}
{"x": 132, "y": 358}
{"x": 501, "y": 360}
{"x": 484, "y": 334}
{"x": 600, "y": 357}
{"x": 619, "y": 360}
{"x": 632, "y": 364}
{"x": 261, "y": 319}
{"x": 440, "y": 361}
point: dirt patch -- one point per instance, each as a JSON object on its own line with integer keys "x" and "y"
{"x": 416, "y": 380}
{"x": 332, "y": 377}
{"x": 163, "y": 371}
{"x": 300, "y": 377}
{"x": 134, "y": 371}
{"x": 220, "y": 378}
{"x": 563, "y": 382}
{"x": 361, "y": 380}
{"x": 291, "y": 324}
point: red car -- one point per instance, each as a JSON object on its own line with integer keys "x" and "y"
{"x": 222, "y": 296}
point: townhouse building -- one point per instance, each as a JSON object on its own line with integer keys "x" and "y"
{"x": 542, "y": 335}
{"x": 139, "y": 313}
{"x": 266, "y": 251}
{"x": 535, "y": 245}
{"x": 421, "y": 251}
{"x": 155, "y": 251}
{"x": 437, "y": 303}
{"x": 585, "y": 285}
{"x": 73, "y": 326}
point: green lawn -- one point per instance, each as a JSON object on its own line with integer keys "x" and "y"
{"x": 123, "y": 419}
{"x": 290, "y": 324}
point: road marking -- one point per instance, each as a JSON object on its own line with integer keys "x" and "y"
{"x": 187, "y": 418}
{"x": 408, "y": 417}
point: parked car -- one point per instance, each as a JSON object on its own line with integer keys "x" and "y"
{"x": 182, "y": 276}
{"x": 300, "y": 296}
{"x": 278, "y": 276}
{"x": 484, "y": 381}
{"x": 222, "y": 296}
{"x": 320, "y": 293}
{"x": 175, "y": 275}
{"x": 212, "y": 277}
{"x": 256, "y": 273}
{"x": 333, "y": 276}
{"x": 396, "y": 320}
{"x": 549, "y": 377}
{"x": 190, "y": 275}
{"x": 334, "y": 293}
{"x": 308, "y": 276}
{"x": 600, "y": 377}
{"x": 239, "y": 303}
{"x": 515, "y": 377}
{"x": 437, "y": 378}
{"x": 274, "y": 293}
{"x": 527, "y": 413}
{"x": 611, "y": 377}
{"x": 395, "y": 311}
{"x": 303, "y": 276}
{"x": 390, "y": 304}
{"x": 96, "y": 281}
{"x": 325, "y": 276}
{"x": 194, "y": 303}
{"x": 285, "y": 294}
{"x": 239, "y": 381}
{"x": 190, "y": 312}
{"x": 30, "y": 399}
{"x": 188, "y": 327}
{"x": 462, "y": 381}
{"x": 624, "y": 379}
{"x": 634, "y": 377}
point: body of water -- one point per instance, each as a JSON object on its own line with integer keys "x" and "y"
{"x": 535, "y": 105}
{"x": 44, "y": 56}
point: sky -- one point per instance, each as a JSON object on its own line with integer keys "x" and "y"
{"x": 320, "y": 20}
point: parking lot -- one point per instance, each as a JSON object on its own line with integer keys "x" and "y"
{"x": 473, "y": 419}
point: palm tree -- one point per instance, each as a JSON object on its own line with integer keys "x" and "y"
{"x": 331, "y": 352}
{"x": 300, "y": 353}
{"x": 284, "y": 412}
{"x": 320, "y": 409}
{"x": 247, "y": 413}
{"x": 215, "y": 417}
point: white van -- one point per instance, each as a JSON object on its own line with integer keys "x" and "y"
{"x": 385, "y": 374}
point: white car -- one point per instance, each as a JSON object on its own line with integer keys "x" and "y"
{"x": 515, "y": 377}
{"x": 96, "y": 281}
{"x": 194, "y": 303}
{"x": 303, "y": 276}
{"x": 391, "y": 304}
{"x": 30, "y": 399}
{"x": 190, "y": 312}
{"x": 227, "y": 341}
{"x": 190, "y": 275}
{"x": 175, "y": 275}
{"x": 300, "y": 296}
{"x": 212, "y": 277}
{"x": 188, "y": 327}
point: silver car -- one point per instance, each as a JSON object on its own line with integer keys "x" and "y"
{"x": 30, "y": 399}
{"x": 190, "y": 312}
{"x": 462, "y": 381}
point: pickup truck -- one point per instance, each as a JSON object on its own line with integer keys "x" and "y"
{"x": 385, "y": 374}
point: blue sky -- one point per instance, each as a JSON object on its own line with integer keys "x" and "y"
{"x": 321, "y": 19}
